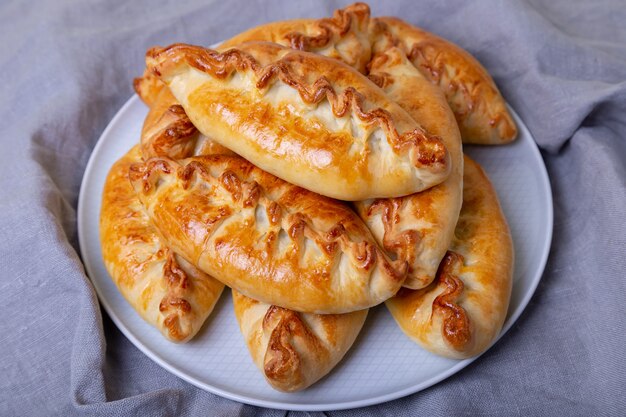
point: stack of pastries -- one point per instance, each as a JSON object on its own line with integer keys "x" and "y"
{"x": 315, "y": 167}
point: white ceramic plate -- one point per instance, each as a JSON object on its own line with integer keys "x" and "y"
{"x": 383, "y": 364}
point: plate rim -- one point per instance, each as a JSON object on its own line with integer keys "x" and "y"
{"x": 300, "y": 406}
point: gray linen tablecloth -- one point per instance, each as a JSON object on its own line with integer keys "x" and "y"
{"x": 67, "y": 67}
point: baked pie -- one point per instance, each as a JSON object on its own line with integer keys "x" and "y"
{"x": 462, "y": 312}
{"x": 166, "y": 290}
{"x": 269, "y": 239}
{"x": 305, "y": 118}
{"x": 295, "y": 350}
{"x": 472, "y": 94}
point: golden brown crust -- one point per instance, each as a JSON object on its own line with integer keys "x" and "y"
{"x": 148, "y": 87}
{"x": 281, "y": 362}
{"x": 167, "y": 131}
{"x": 344, "y": 36}
{"x": 294, "y": 350}
{"x": 389, "y": 155}
{"x": 462, "y": 312}
{"x": 340, "y": 24}
{"x": 264, "y": 237}
{"x": 456, "y": 328}
{"x": 417, "y": 228}
{"x": 471, "y": 92}
{"x": 167, "y": 291}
